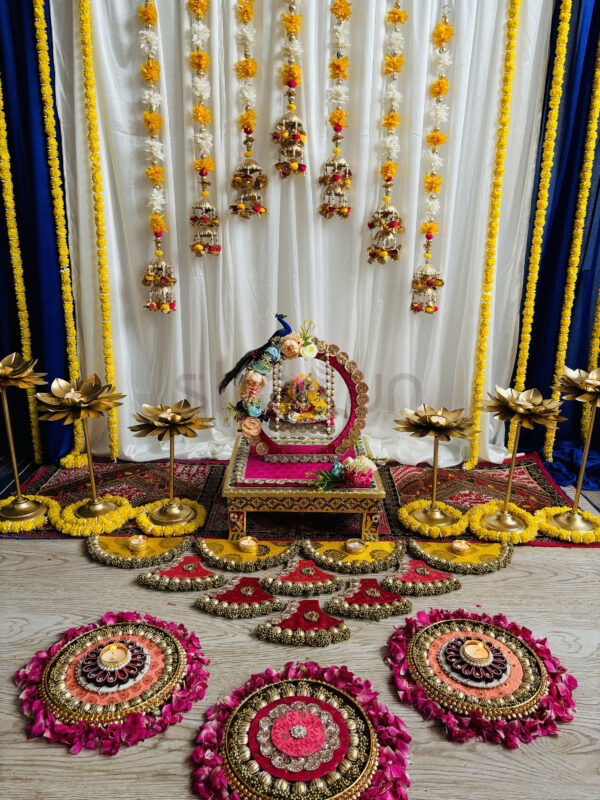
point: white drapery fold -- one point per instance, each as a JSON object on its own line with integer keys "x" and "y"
{"x": 293, "y": 261}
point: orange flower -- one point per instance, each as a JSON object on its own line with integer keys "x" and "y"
{"x": 154, "y": 173}
{"x": 154, "y": 122}
{"x": 157, "y": 223}
{"x": 391, "y": 120}
{"x": 436, "y": 138}
{"x": 246, "y": 68}
{"x": 432, "y": 183}
{"x": 148, "y": 14}
{"x": 199, "y": 60}
{"x": 429, "y": 228}
{"x": 247, "y": 119}
{"x": 341, "y": 9}
{"x": 442, "y": 33}
{"x": 393, "y": 64}
{"x": 150, "y": 70}
{"x": 388, "y": 169}
{"x": 338, "y": 117}
{"x": 245, "y": 10}
{"x": 338, "y": 68}
{"x": 201, "y": 164}
{"x": 439, "y": 87}
{"x": 198, "y": 7}
{"x": 396, "y": 16}
{"x": 202, "y": 115}
{"x": 292, "y": 23}
{"x": 291, "y": 72}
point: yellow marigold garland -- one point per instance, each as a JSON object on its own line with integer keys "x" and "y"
{"x": 35, "y": 524}
{"x": 75, "y": 458}
{"x": 592, "y": 364}
{"x": 512, "y": 27}
{"x": 565, "y": 535}
{"x": 539, "y": 224}
{"x": 89, "y": 82}
{"x": 145, "y": 524}
{"x": 476, "y": 514}
{"x": 458, "y": 526}
{"x": 17, "y": 268}
{"x": 67, "y": 521}
{"x": 585, "y": 179}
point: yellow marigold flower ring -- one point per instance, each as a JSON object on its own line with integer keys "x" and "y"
{"x": 476, "y": 514}
{"x": 74, "y": 461}
{"x": 145, "y": 524}
{"x": 67, "y": 521}
{"x": 565, "y": 535}
{"x": 35, "y": 524}
{"x": 458, "y": 526}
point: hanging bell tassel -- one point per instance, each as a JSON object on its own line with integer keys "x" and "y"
{"x": 336, "y": 179}
{"x": 426, "y": 281}
{"x": 160, "y": 279}
{"x": 290, "y": 135}
{"x": 387, "y": 225}
{"x": 205, "y": 222}
{"x": 249, "y": 179}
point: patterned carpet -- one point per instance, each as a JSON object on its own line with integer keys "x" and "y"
{"x": 201, "y": 481}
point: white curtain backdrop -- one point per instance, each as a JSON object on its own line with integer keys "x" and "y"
{"x": 293, "y": 261}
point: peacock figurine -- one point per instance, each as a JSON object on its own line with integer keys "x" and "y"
{"x": 263, "y": 358}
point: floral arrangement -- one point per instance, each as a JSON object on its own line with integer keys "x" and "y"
{"x": 336, "y": 176}
{"x": 564, "y": 534}
{"x": 289, "y": 132}
{"x": 34, "y": 524}
{"x": 68, "y": 521}
{"x": 427, "y": 280}
{"x": 248, "y": 179}
{"x": 390, "y": 779}
{"x": 145, "y": 524}
{"x": 476, "y": 514}
{"x": 385, "y": 220}
{"x": 356, "y": 472}
{"x": 539, "y": 222}
{"x": 136, "y": 727}
{"x": 557, "y": 705}
{"x": 458, "y": 525}
{"x": 491, "y": 245}
{"x": 75, "y": 458}
{"x": 17, "y": 267}
{"x": 583, "y": 194}
{"x": 204, "y": 219}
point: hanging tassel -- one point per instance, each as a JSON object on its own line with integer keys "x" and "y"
{"x": 249, "y": 179}
{"x": 387, "y": 224}
{"x": 205, "y": 222}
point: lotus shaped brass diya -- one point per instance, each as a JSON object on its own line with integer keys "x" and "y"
{"x": 167, "y": 422}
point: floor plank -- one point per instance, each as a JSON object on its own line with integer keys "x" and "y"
{"x": 50, "y": 586}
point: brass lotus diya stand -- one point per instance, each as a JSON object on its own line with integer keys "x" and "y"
{"x": 172, "y": 512}
{"x": 95, "y": 507}
{"x": 503, "y": 519}
{"x": 433, "y": 514}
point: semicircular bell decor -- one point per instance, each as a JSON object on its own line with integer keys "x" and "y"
{"x": 241, "y": 598}
{"x": 366, "y": 598}
{"x": 354, "y": 557}
{"x": 464, "y": 558}
{"x": 434, "y": 518}
{"x": 306, "y": 731}
{"x": 184, "y": 575}
{"x": 505, "y": 521}
{"x": 172, "y": 516}
{"x": 304, "y": 623}
{"x": 302, "y": 577}
{"x": 113, "y": 683}
{"x": 19, "y": 512}
{"x": 572, "y": 524}
{"x": 85, "y": 399}
{"x": 482, "y": 677}
{"x": 136, "y": 552}
{"x": 415, "y": 577}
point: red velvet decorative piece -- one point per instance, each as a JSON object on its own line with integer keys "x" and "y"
{"x": 304, "y": 622}
{"x": 302, "y": 576}
{"x": 189, "y": 566}
{"x": 417, "y": 578}
{"x": 241, "y": 597}
{"x": 367, "y": 599}
{"x": 186, "y": 574}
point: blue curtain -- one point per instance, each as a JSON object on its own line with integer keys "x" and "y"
{"x": 579, "y": 70}
{"x": 27, "y": 146}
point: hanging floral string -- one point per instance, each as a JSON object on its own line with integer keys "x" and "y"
{"x": 158, "y": 274}
{"x": 249, "y": 178}
{"x": 16, "y": 261}
{"x": 289, "y": 132}
{"x": 75, "y": 458}
{"x": 427, "y": 280}
{"x": 91, "y": 114}
{"x": 336, "y": 176}
{"x": 386, "y": 221}
{"x": 592, "y": 364}
{"x": 539, "y": 224}
{"x": 205, "y": 219}
{"x": 491, "y": 244}
{"x": 585, "y": 181}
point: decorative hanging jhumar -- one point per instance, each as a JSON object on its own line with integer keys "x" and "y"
{"x": 249, "y": 179}
{"x": 336, "y": 176}
{"x": 289, "y": 132}
{"x": 158, "y": 274}
{"x": 427, "y": 280}
{"x": 386, "y": 222}
{"x": 204, "y": 218}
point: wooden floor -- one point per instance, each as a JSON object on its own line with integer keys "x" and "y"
{"x": 50, "y": 586}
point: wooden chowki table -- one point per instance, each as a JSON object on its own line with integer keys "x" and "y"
{"x": 253, "y": 484}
